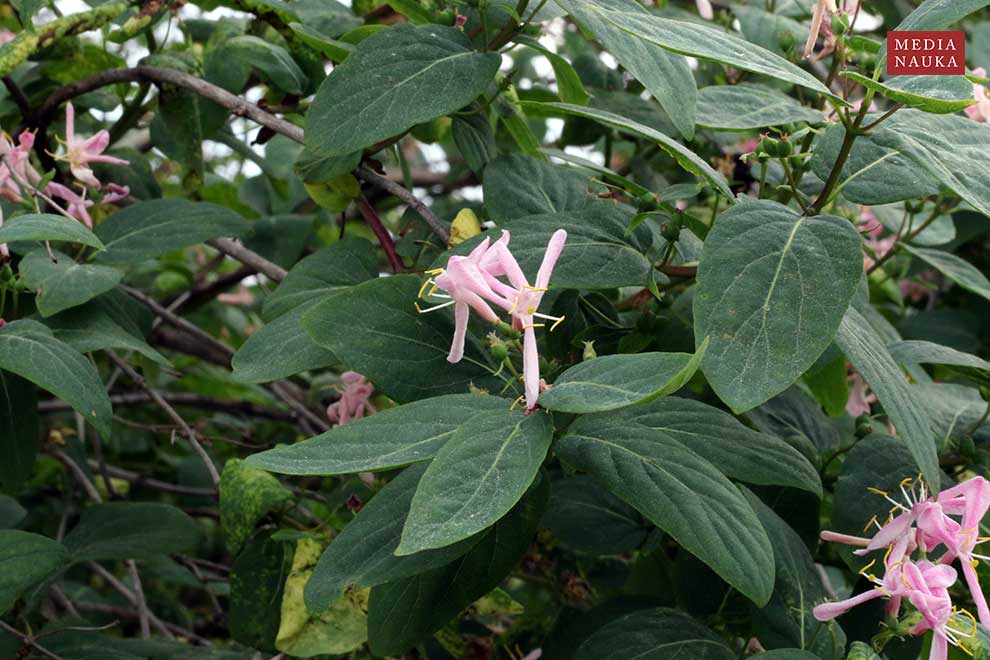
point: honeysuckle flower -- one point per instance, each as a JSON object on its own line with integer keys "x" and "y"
{"x": 468, "y": 286}
{"x": 970, "y": 500}
{"x": 817, "y": 20}
{"x": 981, "y": 110}
{"x": 75, "y": 205}
{"x": 5, "y": 36}
{"x": 705, "y": 9}
{"x": 355, "y": 399}
{"x": 114, "y": 192}
{"x": 80, "y": 152}
{"x": 859, "y": 398}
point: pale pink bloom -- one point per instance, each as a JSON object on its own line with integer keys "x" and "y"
{"x": 83, "y": 151}
{"x": 5, "y": 36}
{"x": 705, "y": 9}
{"x": 355, "y": 400}
{"x": 535, "y": 654}
{"x": 75, "y": 205}
{"x": 981, "y": 110}
{"x": 114, "y": 192}
{"x": 921, "y": 287}
{"x": 468, "y": 286}
{"x": 859, "y": 398}
{"x": 2, "y": 323}
{"x": 16, "y": 169}
{"x": 4, "y": 252}
{"x": 868, "y": 223}
{"x": 818, "y": 16}
{"x": 880, "y": 247}
{"x": 970, "y": 500}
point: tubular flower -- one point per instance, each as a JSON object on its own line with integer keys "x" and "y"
{"x": 472, "y": 282}
{"x": 81, "y": 152}
{"x": 980, "y": 111}
{"x": 355, "y": 400}
{"x": 705, "y": 9}
{"x": 76, "y": 205}
{"x": 924, "y": 523}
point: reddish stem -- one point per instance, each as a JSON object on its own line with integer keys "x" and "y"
{"x": 384, "y": 238}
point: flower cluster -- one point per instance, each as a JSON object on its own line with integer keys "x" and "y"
{"x": 355, "y": 399}
{"x": 19, "y": 178}
{"x": 922, "y": 524}
{"x": 472, "y": 282}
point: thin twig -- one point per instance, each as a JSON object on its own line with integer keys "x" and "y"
{"x": 77, "y": 473}
{"x": 248, "y": 257}
{"x": 139, "y": 479}
{"x": 22, "y": 102}
{"x": 189, "y": 399}
{"x": 173, "y": 415}
{"x": 29, "y": 641}
{"x": 142, "y": 604}
{"x": 386, "y": 184}
{"x": 128, "y": 595}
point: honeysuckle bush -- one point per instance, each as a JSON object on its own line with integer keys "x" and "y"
{"x": 472, "y": 329}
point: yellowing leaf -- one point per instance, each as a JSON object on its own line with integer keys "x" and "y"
{"x": 466, "y": 225}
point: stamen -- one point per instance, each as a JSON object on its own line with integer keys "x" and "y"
{"x": 877, "y": 491}
{"x": 554, "y": 326}
{"x": 427, "y": 283}
{"x": 871, "y": 521}
{"x": 435, "y": 271}
{"x": 432, "y": 309}
{"x": 863, "y": 570}
{"x": 533, "y": 325}
{"x": 534, "y": 289}
{"x": 518, "y": 400}
{"x": 886, "y": 556}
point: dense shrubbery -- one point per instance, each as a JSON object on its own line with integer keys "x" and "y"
{"x": 571, "y": 329}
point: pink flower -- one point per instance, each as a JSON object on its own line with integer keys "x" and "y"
{"x": 705, "y": 9}
{"x": 468, "y": 286}
{"x": 472, "y": 282}
{"x": 76, "y": 205}
{"x": 16, "y": 169}
{"x": 355, "y": 400}
{"x": 5, "y": 36}
{"x": 114, "y": 192}
{"x": 859, "y": 400}
{"x": 817, "y": 20}
{"x": 81, "y": 152}
{"x": 981, "y": 110}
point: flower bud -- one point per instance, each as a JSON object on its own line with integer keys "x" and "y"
{"x": 589, "y": 351}
{"x": 499, "y": 350}
{"x": 647, "y": 202}
{"x": 864, "y": 426}
{"x": 840, "y": 23}
{"x": 671, "y": 230}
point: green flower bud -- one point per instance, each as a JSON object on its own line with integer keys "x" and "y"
{"x": 589, "y": 351}
{"x": 647, "y": 203}
{"x": 864, "y": 426}
{"x": 840, "y": 24}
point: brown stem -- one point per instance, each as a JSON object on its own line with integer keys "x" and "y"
{"x": 77, "y": 473}
{"x": 247, "y": 257}
{"x": 29, "y": 641}
{"x": 678, "y": 271}
{"x": 172, "y": 414}
{"x": 138, "y": 479}
{"x": 384, "y": 238}
{"x": 189, "y": 399}
{"x": 142, "y": 604}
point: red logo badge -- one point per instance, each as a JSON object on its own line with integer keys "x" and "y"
{"x": 926, "y": 53}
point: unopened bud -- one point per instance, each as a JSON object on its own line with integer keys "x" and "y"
{"x": 864, "y": 426}
{"x": 840, "y": 23}
{"x": 648, "y": 202}
{"x": 589, "y": 351}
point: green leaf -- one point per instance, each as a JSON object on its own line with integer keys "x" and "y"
{"x": 947, "y": 147}
{"x": 517, "y": 185}
{"x": 569, "y": 85}
{"x": 374, "y": 329}
{"x": 152, "y": 228}
{"x": 476, "y": 478}
{"x": 935, "y": 94}
{"x": 684, "y": 156}
{"x": 655, "y": 634}
{"x": 25, "y": 560}
{"x": 363, "y": 554}
{"x": 666, "y": 76}
{"x": 11, "y": 512}
{"x": 395, "y": 79}
{"x": 405, "y": 612}
{"x": 956, "y": 269}
{"x": 738, "y": 452}
{"x": 616, "y": 381}
{"x": 475, "y": 138}
{"x": 18, "y": 430}
{"x": 279, "y": 349}
{"x": 748, "y": 105}
{"x": 925, "y": 352}
{"x": 588, "y": 518}
{"x": 871, "y": 359}
{"x": 389, "y": 439}
{"x": 272, "y": 60}
{"x": 345, "y": 263}
{"x": 47, "y": 227}
{"x": 63, "y": 283}
{"x": 788, "y": 654}
{"x": 861, "y": 651}
{"x": 772, "y": 288}
{"x": 257, "y": 580}
{"x": 339, "y": 630}
{"x": 682, "y": 494}
{"x": 131, "y": 530}
{"x": 29, "y": 350}
{"x": 91, "y": 328}
{"x": 246, "y": 495}
{"x": 882, "y": 174}
{"x": 787, "y": 619}
{"x": 711, "y": 43}
{"x": 942, "y": 229}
